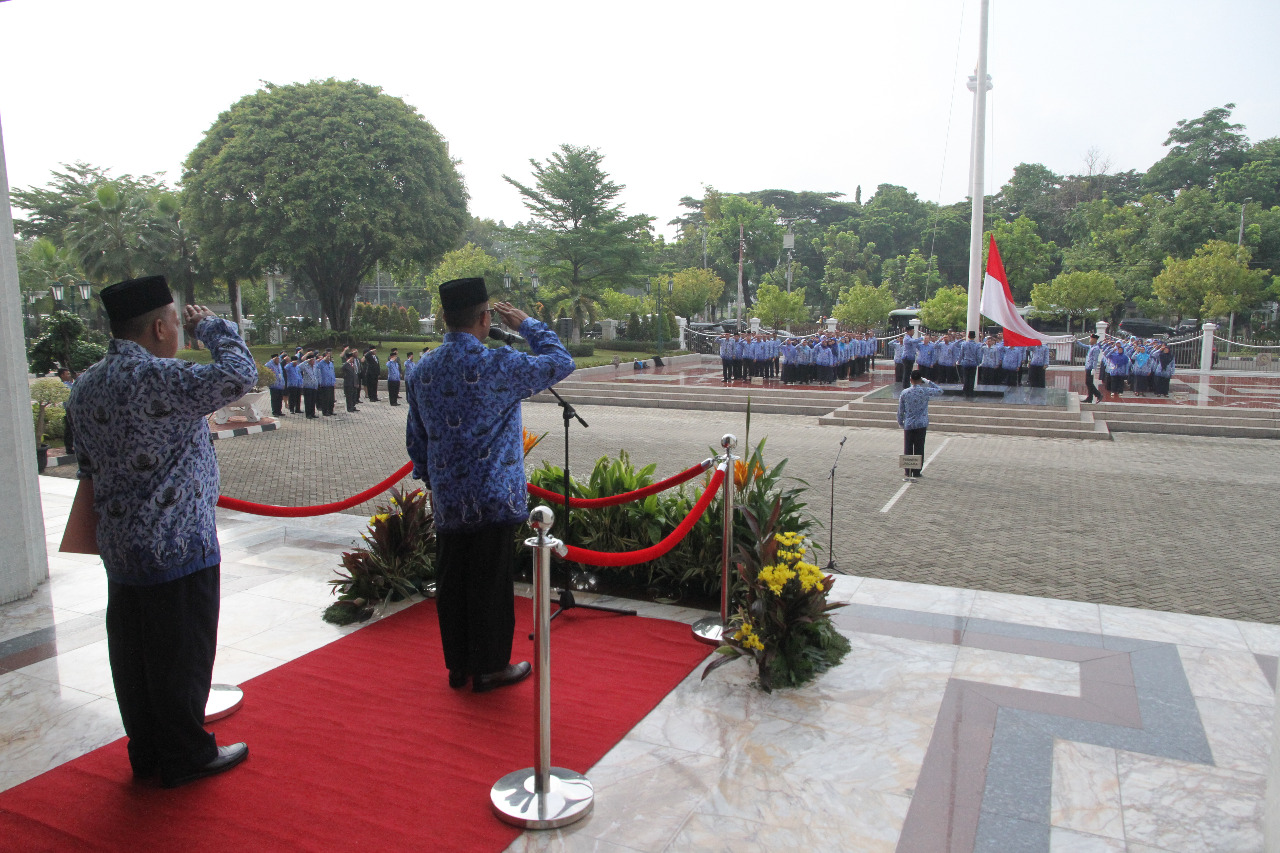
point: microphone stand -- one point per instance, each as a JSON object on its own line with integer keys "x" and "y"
{"x": 831, "y": 524}
{"x": 565, "y": 601}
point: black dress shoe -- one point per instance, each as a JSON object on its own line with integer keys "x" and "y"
{"x": 228, "y": 757}
{"x": 457, "y": 678}
{"x": 512, "y": 674}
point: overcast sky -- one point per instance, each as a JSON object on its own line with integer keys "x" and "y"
{"x": 742, "y": 96}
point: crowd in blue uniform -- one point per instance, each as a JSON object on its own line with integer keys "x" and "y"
{"x": 811, "y": 360}
{"x": 1141, "y": 366}
{"x": 305, "y": 383}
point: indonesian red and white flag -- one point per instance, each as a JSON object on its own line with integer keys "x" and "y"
{"x": 997, "y": 304}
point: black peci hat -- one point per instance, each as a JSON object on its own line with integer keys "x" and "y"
{"x": 462, "y": 293}
{"x": 135, "y": 297}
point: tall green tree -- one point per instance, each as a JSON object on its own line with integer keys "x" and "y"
{"x": 863, "y": 306}
{"x": 693, "y": 289}
{"x": 1215, "y": 283}
{"x": 111, "y": 234}
{"x": 946, "y": 309}
{"x": 777, "y": 308}
{"x": 581, "y": 238}
{"x": 325, "y": 178}
{"x": 1089, "y": 295}
{"x": 1201, "y": 150}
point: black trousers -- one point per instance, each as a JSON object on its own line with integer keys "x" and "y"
{"x": 353, "y": 397}
{"x": 295, "y": 400}
{"x": 908, "y": 365}
{"x": 1094, "y": 393}
{"x": 475, "y": 597}
{"x": 371, "y": 390}
{"x": 726, "y": 370}
{"x": 393, "y": 391}
{"x": 324, "y": 399}
{"x": 309, "y": 401}
{"x": 970, "y": 374}
{"x": 161, "y": 641}
{"x": 1037, "y": 376}
{"x": 913, "y": 445}
{"x": 277, "y": 401}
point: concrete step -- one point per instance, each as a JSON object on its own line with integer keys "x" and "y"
{"x": 701, "y": 404}
{"x": 962, "y": 409}
{"x": 1192, "y": 427}
{"x": 1093, "y": 432}
{"x": 958, "y": 418}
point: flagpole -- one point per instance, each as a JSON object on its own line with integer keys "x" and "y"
{"x": 979, "y": 84}
{"x": 742, "y": 248}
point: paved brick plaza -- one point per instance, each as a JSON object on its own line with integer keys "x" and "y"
{"x": 1163, "y": 522}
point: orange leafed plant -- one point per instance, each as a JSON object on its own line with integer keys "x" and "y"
{"x": 741, "y": 476}
{"x": 531, "y": 441}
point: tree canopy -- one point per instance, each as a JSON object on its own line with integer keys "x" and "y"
{"x": 325, "y": 178}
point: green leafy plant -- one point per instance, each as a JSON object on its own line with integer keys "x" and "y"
{"x": 45, "y": 393}
{"x": 397, "y": 562}
{"x": 782, "y": 622}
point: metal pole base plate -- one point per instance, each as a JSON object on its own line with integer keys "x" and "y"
{"x": 568, "y": 798}
{"x": 224, "y": 700}
{"x": 709, "y": 630}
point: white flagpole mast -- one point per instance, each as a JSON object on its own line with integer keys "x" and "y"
{"x": 742, "y": 250}
{"x": 979, "y": 84}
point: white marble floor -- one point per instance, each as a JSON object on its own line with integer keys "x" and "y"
{"x": 961, "y": 720}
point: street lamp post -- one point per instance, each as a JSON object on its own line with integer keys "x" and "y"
{"x": 533, "y": 282}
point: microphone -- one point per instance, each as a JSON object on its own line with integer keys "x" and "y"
{"x": 498, "y": 334}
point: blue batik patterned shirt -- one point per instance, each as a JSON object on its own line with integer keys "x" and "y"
{"x": 142, "y": 437}
{"x": 464, "y": 431}
{"x": 913, "y": 405}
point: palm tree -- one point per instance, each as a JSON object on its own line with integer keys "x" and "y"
{"x": 112, "y": 232}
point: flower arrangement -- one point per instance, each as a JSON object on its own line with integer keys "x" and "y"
{"x": 396, "y": 562}
{"x": 782, "y": 622}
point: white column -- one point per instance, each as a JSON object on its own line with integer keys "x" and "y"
{"x": 683, "y": 324}
{"x": 755, "y": 325}
{"x": 1102, "y": 329}
{"x": 832, "y": 322}
{"x": 24, "y": 562}
{"x": 1206, "y": 347}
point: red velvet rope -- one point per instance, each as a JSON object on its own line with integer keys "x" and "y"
{"x": 320, "y": 509}
{"x": 653, "y": 552}
{"x": 613, "y": 500}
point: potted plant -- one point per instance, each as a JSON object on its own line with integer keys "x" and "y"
{"x": 45, "y": 393}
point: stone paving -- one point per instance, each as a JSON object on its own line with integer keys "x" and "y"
{"x": 1162, "y": 522}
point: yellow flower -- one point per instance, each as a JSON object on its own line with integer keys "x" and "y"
{"x": 379, "y": 517}
{"x": 748, "y": 637}
{"x": 775, "y": 577}
{"x": 811, "y": 576}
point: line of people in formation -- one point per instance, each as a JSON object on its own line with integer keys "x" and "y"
{"x": 822, "y": 359}
{"x": 305, "y": 383}
{"x": 1142, "y": 366}
{"x": 815, "y": 360}
{"x": 950, "y": 359}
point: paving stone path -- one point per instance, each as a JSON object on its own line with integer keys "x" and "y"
{"x": 1164, "y": 522}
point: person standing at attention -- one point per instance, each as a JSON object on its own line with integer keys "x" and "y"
{"x": 393, "y": 377}
{"x": 465, "y": 438}
{"x": 146, "y": 456}
{"x": 913, "y": 416}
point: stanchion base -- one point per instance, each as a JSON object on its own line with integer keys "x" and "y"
{"x": 709, "y": 630}
{"x": 224, "y": 700}
{"x": 568, "y": 798}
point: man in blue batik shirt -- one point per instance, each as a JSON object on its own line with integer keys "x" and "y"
{"x": 393, "y": 377}
{"x": 147, "y": 460}
{"x": 910, "y": 350}
{"x": 913, "y": 416}
{"x": 465, "y": 438}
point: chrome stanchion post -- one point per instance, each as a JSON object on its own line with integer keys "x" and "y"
{"x": 542, "y": 796}
{"x": 710, "y": 630}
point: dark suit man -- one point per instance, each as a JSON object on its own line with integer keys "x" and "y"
{"x": 351, "y": 381}
{"x": 372, "y": 367}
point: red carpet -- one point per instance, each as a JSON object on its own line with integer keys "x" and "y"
{"x": 361, "y": 745}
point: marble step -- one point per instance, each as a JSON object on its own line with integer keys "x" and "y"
{"x": 1048, "y": 429}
